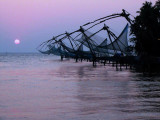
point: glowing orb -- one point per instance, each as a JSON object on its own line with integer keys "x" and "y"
{"x": 17, "y": 41}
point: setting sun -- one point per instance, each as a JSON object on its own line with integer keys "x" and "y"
{"x": 17, "y": 41}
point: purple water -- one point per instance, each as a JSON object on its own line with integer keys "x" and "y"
{"x": 41, "y": 87}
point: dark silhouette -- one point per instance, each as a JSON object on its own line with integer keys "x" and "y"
{"x": 146, "y": 30}
{"x": 82, "y": 44}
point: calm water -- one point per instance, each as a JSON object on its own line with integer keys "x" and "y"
{"x": 38, "y": 87}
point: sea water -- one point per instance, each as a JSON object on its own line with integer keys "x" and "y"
{"x": 41, "y": 87}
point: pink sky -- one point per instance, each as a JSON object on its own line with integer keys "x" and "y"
{"x": 31, "y": 20}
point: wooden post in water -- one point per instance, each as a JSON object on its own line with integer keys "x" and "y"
{"x": 120, "y": 66}
{"x": 104, "y": 62}
{"x": 116, "y": 64}
{"x": 81, "y": 59}
{"x": 76, "y": 59}
{"x": 61, "y": 57}
{"x": 113, "y": 63}
{"x": 94, "y": 61}
{"x": 126, "y": 64}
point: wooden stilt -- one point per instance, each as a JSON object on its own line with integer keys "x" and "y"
{"x": 61, "y": 58}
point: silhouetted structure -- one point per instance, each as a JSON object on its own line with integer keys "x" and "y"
{"x": 87, "y": 45}
{"x": 82, "y": 44}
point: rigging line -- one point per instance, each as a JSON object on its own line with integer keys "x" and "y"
{"x": 93, "y": 43}
{"x": 53, "y": 39}
{"x": 102, "y": 49}
{"x": 111, "y": 16}
{"x": 56, "y": 37}
{"x": 87, "y": 29}
{"x": 118, "y": 14}
{"x": 119, "y": 36}
{"x": 74, "y": 41}
{"x": 116, "y": 41}
{"x": 111, "y": 41}
{"x": 47, "y": 44}
{"x": 42, "y": 43}
{"x": 80, "y": 51}
{"x": 107, "y": 17}
{"x": 96, "y": 33}
{"x": 42, "y": 46}
{"x": 63, "y": 37}
{"x": 61, "y": 49}
{"x": 114, "y": 31}
{"x": 52, "y": 44}
{"x": 56, "y": 41}
{"x": 101, "y": 22}
{"x": 66, "y": 48}
{"x": 88, "y": 42}
{"x": 60, "y": 35}
{"x": 82, "y": 42}
{"x": 78, "y": 35}
{"x": 99, "y": 19}
{"x": 98, "y": 24}
{"x": 71, "y": 43}
{"x": 93, "y": 35}
{"x": 102, "y": 42}
{"x": 113, "y": 35}
{"x": 50, "y": 40}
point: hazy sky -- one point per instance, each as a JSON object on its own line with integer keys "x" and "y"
{"x": 35, "y": 21}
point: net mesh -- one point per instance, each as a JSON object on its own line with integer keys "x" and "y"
{"x": 120, "y": 43}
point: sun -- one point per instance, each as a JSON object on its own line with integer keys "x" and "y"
{"x": 17, "y": 41}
